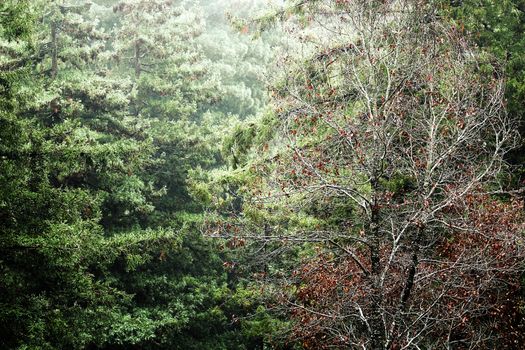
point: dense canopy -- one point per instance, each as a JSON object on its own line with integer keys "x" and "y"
{"x": 319, "y": 174}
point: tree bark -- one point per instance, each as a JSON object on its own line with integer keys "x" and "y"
{"x": 376, "y": 320}
{"x": 54, "y": 50}
{"x": 136, "y": 60}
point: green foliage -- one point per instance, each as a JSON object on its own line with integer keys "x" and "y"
{"x": 397, "y": 184}
{"x": 16, "y": 20}
{"x": 497, "y": 27}
{"x": 101, "y": 243}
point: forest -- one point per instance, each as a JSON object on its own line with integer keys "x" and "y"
{"x": 257, "y": 174}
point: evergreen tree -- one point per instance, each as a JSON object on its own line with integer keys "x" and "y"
{"x": 65, "y": 159}
{"x": 497, "y": 27}
{"x": 107, "y": 108}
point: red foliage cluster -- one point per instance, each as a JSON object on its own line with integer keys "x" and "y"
{"x": 467, "y": 287}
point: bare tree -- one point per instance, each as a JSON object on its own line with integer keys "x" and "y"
{"x": 391, "y": 137}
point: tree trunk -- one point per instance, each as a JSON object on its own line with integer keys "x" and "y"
{"x": 376, "y": 320}
{"x": 136, "y": 60}
{"x": 54, "y": 50}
